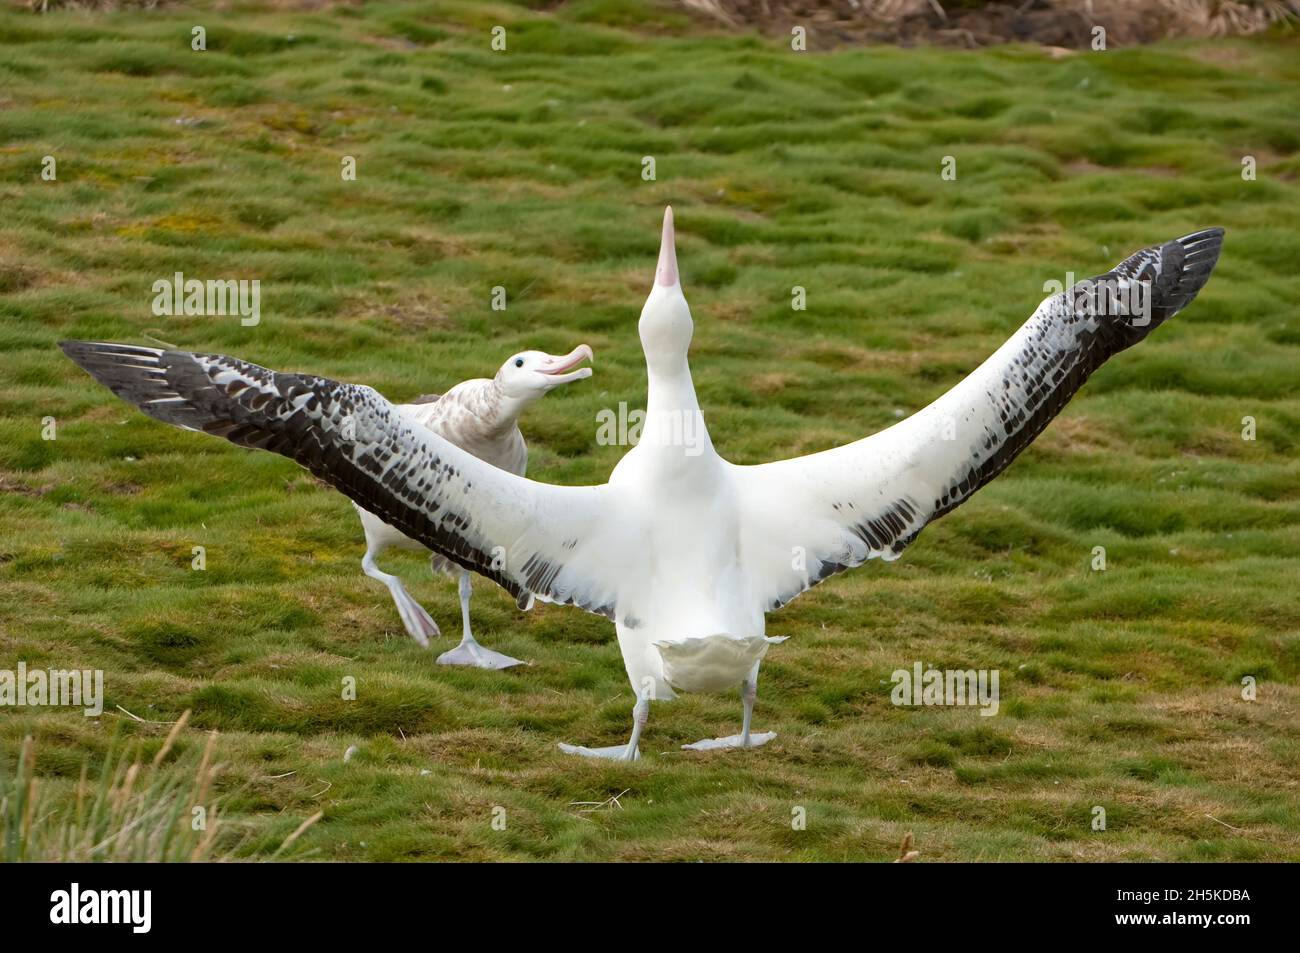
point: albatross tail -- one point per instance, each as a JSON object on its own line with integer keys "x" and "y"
{"x": 711, "y": 663}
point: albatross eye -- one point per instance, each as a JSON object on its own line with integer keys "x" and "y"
{"x": 519, "y": 362}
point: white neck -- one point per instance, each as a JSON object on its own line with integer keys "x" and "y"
{"x": 497, "y": 412}
{"x": 674, "y": 421}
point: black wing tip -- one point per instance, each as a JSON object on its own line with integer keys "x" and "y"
{"x": 113, "y": 365}
{"x": 1200, "y": 254}
{"x": 1175, "y": 271}
{"x": 79, "y": 350}
{"x": 1201, "y": 249}
{"x": 135, "y": 374}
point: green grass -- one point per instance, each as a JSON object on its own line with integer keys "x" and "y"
{"x": 1120, "y": 689}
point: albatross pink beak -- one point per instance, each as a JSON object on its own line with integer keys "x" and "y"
{"x": 666, "y": 273}
{"x": 555, "y": 366}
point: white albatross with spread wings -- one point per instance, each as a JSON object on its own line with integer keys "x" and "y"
{"x": 684, "y": 551}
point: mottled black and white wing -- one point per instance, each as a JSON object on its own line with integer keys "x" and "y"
{"x": 810, "y": 517}
{"x": 531, "y": 538}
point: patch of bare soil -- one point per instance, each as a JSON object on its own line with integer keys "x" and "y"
{"x": 1064, "y": 24}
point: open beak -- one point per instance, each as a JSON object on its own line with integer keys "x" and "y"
{"x": 561, "y": 369}
{"x": 666, "y": 273}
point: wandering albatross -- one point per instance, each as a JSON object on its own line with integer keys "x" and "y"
{"x": 480, "y": 416}
{"x": 683, "y": 550}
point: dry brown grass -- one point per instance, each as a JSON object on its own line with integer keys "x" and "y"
{"x": 1060, "y": 23}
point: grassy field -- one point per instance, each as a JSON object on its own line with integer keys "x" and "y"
{"x": 523, "y": 169}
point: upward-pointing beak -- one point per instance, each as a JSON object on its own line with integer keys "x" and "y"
{"x": 561, "y": 369}
{"x": 666, "y": 273}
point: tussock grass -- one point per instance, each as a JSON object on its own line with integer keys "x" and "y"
{"x": 137, "y": 809}
{"x": 1120, "y": 689}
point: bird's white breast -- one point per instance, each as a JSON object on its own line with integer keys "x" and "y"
{"x": 688, "y": 589}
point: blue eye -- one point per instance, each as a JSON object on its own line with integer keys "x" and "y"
{"x": 519, "y": 362}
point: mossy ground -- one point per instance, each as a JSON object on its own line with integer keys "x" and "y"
{"x": 522, "y": 169}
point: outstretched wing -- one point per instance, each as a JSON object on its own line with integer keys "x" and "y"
{"x": 810, "y": 517}
{"x": 531, "y": 538}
